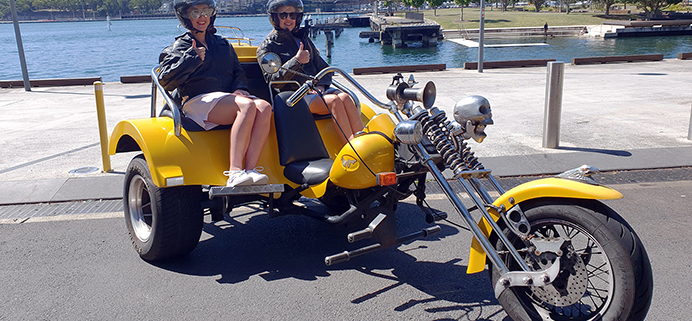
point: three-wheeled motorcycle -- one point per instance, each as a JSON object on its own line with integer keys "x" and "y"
{"x": 554, "y": 252}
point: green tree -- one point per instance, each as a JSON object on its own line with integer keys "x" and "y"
{"x": 538, "y": 4}
{"x": 145, "y": 5}
{"x": 417, "y": 3}
{"x": 461, "y": 4}
{"x": 505, "y": 3}
{"x": 606, "y": 3}
{"x": 652, "y": 8}
{"x": 23, "y": 7}
{"x": 435, "y": 4}
{"x": 390, "y": 4}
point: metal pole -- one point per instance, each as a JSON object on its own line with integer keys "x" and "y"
{"x": 481, "y": 34}
{"x": 689, "y": 132}
{"x": 103, "y": 132}
{"x": 20, "y": 47}
{"x": 553, "y": 104}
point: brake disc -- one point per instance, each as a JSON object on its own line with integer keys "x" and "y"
{"x": 570, "y": 284}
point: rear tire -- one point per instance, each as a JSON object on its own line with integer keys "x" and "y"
{"x": 610, "y": 277}
{"x": 163, "y": 222}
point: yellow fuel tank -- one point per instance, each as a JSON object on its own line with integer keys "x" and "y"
{"x": 349, "y": 169}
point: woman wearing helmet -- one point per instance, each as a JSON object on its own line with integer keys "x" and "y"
{"x": 205, "y": 71}
{"x": 299, "y": 53}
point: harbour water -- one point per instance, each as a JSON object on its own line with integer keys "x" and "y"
{"x": 131, "y": 47}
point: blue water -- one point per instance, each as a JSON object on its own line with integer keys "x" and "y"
{"x": 131, "y": 47}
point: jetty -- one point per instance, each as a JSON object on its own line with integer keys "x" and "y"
{"x": 649, "y": 28}
{"x": 401, "y": 31}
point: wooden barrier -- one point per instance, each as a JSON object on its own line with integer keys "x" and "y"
{"x": 395, "y": 69}
{"x": 607, "y": 59}
{"x": 509, "y": 63}
{"x": 685, "y": 55}
{"x": 50, "y": 82}
{"x": 135, "y": 79}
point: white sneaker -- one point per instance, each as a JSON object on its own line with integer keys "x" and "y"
{"x": 238, "y": 178}
{"x": 257, "y": 177}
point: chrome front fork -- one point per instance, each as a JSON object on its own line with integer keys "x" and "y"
{"x": 482, "y": 199}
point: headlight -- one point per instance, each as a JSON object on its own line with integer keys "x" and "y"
{"x": 409, "y": 132}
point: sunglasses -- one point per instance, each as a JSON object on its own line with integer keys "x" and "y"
{"x": 195, "y": 14}
{"x": 292, "y": 15}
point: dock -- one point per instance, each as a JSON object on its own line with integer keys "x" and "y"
{"x": 399, "y": 32}
{"x": 649, "y": 28}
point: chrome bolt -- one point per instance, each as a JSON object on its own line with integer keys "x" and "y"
{"x": 527, "y": 280}
{"x": 504, "y": 282}
{"x": 545, "y": 278}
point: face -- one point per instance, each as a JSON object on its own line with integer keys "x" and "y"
{"x": 285, "y": 20}
{"x": 199, "y": 16}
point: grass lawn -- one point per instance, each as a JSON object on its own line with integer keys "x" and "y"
{"x": 448, "y": 18}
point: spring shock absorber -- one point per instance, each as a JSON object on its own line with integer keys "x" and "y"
{"x": 434, "y": 127}
{"x": 467, "y": 155}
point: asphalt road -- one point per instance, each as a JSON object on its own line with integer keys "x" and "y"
{"x": 252, "y": 267}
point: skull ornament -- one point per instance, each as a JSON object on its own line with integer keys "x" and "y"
{"x": 473, "y": 113}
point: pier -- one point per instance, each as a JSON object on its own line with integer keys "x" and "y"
{"x": 399, "y": 32}
{"x": 649, "y": 28}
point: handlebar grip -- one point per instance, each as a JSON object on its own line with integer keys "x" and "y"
{"x": 298, "y": 95}
{"x": 337, "y": 258}
{"x": 359, "y": 235}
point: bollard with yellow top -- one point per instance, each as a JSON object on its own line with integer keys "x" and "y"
{"x": 103, "y": 133}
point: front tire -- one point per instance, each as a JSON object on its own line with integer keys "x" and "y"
{"x": 605, "y": 273}
{"x": 163, "y": 222}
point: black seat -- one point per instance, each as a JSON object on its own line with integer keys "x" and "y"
{"x": 301, "y": 150}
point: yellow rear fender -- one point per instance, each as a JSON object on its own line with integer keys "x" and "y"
{"x": 200, "y": 158}
{"x": 547, "y": 187}
{"x": 193, "y": 158}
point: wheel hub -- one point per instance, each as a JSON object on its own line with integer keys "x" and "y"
{"x": 570, "y": 284}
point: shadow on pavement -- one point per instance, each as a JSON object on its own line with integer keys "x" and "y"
{"x": 250, "y": 244}
{"x": 622, "y": 153}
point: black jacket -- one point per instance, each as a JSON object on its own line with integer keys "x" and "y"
{"x": 182, "y": 69}
{"x": 283, "y": 43}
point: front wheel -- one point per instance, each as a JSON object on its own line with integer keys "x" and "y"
{"x": 163, "y": 222}
{"x": 605, "y": 273}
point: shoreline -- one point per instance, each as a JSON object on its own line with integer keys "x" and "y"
{"x": 171, "y": 16}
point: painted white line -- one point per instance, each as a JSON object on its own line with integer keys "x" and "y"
{"x": 56, "y": 218}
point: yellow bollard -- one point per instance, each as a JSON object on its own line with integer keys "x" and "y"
{"x": 103, "y": 133}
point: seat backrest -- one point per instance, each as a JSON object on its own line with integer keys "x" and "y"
{"x": 255, "y": 80}
{"x": 296, "y": 132}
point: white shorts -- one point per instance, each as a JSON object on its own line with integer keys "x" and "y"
{"x": 197, "y": 108}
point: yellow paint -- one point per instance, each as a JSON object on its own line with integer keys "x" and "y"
{"x": 348, "y": 170}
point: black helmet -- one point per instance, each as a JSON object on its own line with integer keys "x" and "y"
{"x": 182, "y": 6}
{"x": 273, "y": 10}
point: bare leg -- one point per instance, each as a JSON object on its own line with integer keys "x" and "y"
{"x": 352, "y": 112}
{"x": 239, "y": 111}
{"x": 259, "y": 134}
{"x": 341, "y": 121}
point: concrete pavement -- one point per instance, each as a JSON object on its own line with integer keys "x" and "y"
{"x": 614, "y": 116}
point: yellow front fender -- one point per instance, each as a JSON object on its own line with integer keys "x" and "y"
{"x": 547, "y": 187}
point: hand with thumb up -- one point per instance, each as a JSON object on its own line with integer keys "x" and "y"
{"x": 201, "y": 51}
{"x": 303, "y": 55}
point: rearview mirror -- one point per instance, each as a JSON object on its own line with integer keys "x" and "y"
{"x": 270, "y": 62}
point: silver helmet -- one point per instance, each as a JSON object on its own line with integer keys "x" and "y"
{"x": 182, "y": 6}
{"x": 273, "y": 7}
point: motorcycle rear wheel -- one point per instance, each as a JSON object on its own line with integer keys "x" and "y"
{"x": 609, "y": 278}
{"x": 163, "y": 223}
